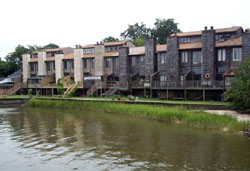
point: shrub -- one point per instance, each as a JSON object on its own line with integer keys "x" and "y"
{"x": 239, "y": 93}
{"x": 60, "y": 88}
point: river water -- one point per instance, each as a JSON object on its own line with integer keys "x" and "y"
{"x": 52, "y": 139}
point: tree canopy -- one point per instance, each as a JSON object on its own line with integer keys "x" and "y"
{"x": 13, "y": 60}
{"x": 239, "y": 93}
{"x": 110, "y": 39}
{"x": 139, "y": 31}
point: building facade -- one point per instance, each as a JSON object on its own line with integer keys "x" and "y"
{"x": 191, "y": 65}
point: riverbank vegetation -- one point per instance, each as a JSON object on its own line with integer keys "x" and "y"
{"x": 180, "y": 115}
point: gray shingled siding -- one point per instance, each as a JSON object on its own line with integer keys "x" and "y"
{"x": 150, "y": 57}
{"x": 246, "y": 45}
{"x": 124, "y": 71}
{"x": 208, "y": 53}
{"x": 172, "y": 59}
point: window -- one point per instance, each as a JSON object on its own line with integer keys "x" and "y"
{"x": 142, "y": 60}
{"x": 221, "y": 54}
{"x": 197, "y": 57}
{"x": 163, "y": 78}
{"x": 184, "y": 57}
{"x": 32, "y": 67}
{"x": 66, "y": 65}
{"x": 90, "y": 50}
{"x": 116, "y": 62}
{"x": 185, "y": 40}
{"x": 163, "y": 57}
{"x": 133, "y": 60}
{"x": 48, "y": 66}
{"x": 93, "y": 63}
{"x": 108, "y": 62}
{"x": 237, "y": 54}
{"x": 228, "y": 81}
{"x": 85, "y": 63}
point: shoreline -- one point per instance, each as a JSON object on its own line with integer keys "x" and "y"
{"x": 179, "y": 115}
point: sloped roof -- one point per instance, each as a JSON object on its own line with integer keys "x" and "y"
{"x": 198, "y": 33}
{"x": 68, "y": 56}
{"x": 33, "y": 60}
{"x": 48, "y": 59}
{"x": 137, "y": 50}
{"x": 196, "y": 45}
{"x": 107, "y": 54}
{"x": 106, "y": 44}
{"x": 16, "y": 74}
{"x": 230, "y": 42}
{"x": 161, "y": 48}
{"x": 88, "y": 55}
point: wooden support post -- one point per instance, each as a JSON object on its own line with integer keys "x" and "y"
{"x": 52, "y": 91}
{"x": 167, "y": 94}
{"x": 185, "y": 94}
{"x": 204, "y": 95}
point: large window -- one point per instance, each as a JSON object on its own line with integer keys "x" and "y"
{"x": 107, "y": 62}
{"x": 237, "y": 54}
{"x": 48, "y": 66}
{"x": 163, "y": 57}
{"x": 90, "y": 50}
{"x": 184, "y": 57}
{"x": 93, "y": 63}
{"x": 197, "y": 57}
{"x": 133, "y": 60}
{"x": 221, "y": 54}
{"x": 142, "y": 60}
{"x": 85, "y": 63}
{"x": 116, "y": 62}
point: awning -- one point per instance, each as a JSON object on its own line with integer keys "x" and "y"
{"x": 93, "y": 78}
{"x": 6, "y": 81}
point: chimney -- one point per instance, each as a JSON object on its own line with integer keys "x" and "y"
{"x": 212, "y": 27}
{"x": 205, "y": 27}
{"x": 97, "y": 43}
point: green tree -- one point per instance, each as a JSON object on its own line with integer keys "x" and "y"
{"x": 239, "y": 93}
{"x": 136, "y": 31}
{"x": 139, "y": 41}
{"x": 60, "y": 88}
{"x": 164, "y": 28}
{"x": 50, "y": 46}
{"x": 110, "y": 39}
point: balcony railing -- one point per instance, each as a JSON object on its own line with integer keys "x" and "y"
{"x": 180, "y": 84}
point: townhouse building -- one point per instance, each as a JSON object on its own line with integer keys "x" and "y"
{"x": 191, "y": 65}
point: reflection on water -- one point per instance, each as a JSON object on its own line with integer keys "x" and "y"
{"x": 52, "y": 139}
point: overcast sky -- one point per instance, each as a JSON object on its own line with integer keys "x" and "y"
{"x": 71, "y": 22}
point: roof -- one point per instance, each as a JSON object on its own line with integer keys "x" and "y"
{"x": 88, "y": 55}
{"x": 198, "y": 33}
{"x": 106, "y": 44}
{"x": 137, "y": 50}
{"x": 48, "y": 59}
{"x": 68, "y": 56}
{"x": 16, "y": 74}
{"x": 195, "y": 45}
{"x": 33, "y": 59}
{"x": 161, "y": 48}
{"x": 230, "y": 42}
{"x": 115, "y": 43}
{"x": 110, "y": 54}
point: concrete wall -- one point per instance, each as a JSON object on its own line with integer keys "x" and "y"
{"x": 78, "y": 68}
{"x": 26, "y": 67}
{"x": 59, "y": 66}
{"x": 41, "y": 63}
{"x": 99, "y": 59}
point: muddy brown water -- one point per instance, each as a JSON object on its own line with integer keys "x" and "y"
{"x": 54, "y": 139}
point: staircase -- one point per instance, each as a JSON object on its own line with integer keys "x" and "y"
{"x": 71, "y": 89}
{"x": 91, "y": 90}
{"x": 11, "y": 91}
{"x": 112, "y": 90}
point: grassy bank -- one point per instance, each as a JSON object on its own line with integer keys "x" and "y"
{"x": 197, "y": 119}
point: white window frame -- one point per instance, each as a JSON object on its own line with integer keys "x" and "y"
{"x": 197, "y": 55}
{"x": 237, "y": 54}
{"x": 184, "y": 57}
{"x": 163, "y": 58}
{"x": 133, "y": 61}
{"x": 89, "y": 50}
{"x": 221, "y": 54}
{"x": 142, "y": 60}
